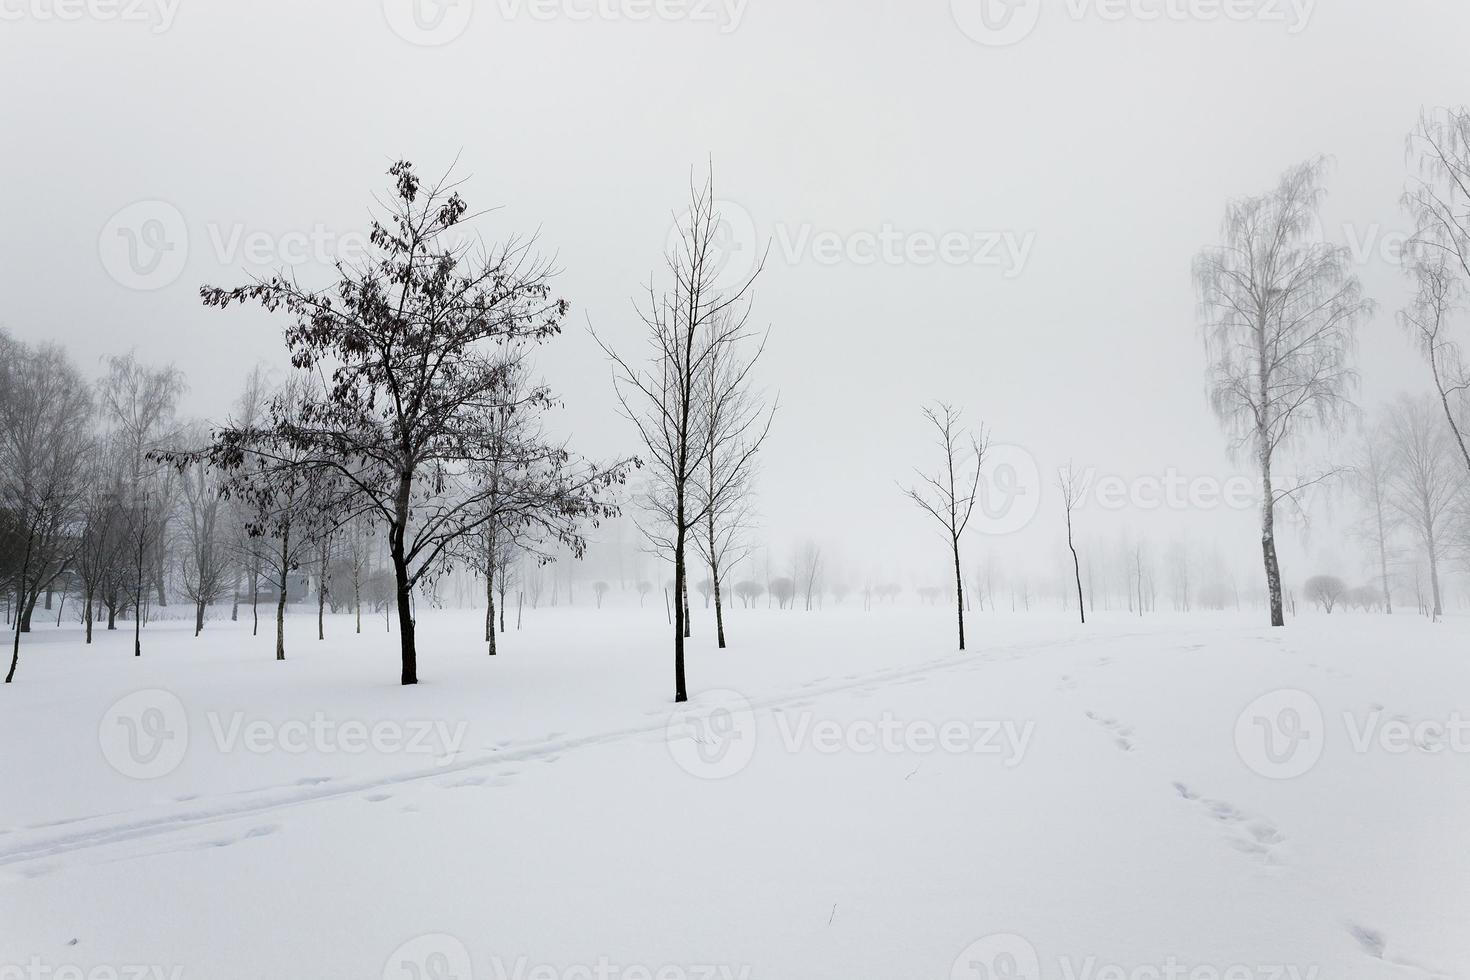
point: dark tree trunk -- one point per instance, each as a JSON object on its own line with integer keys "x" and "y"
{"x": 281, "y": 597}
{"x": 1076, "y": 570}
{"x": 959, "y": 590}
{"x": 681, "y": 612}
{"x": 25, "y": 569}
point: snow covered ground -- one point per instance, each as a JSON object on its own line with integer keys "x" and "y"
{"x": 1167, "y": 798}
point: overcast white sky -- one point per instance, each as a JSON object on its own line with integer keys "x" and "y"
{"x": 1103, "y": 147}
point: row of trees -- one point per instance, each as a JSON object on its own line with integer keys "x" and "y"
{"x": 410, "y": 431}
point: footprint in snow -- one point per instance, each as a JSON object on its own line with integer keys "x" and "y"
{"x": 1245, "y": 832}
{"x": 378, "y": 797}
{"x": 1375, "y": 944}
{"x": 313, "y": 780}
{"x": 263, "y": 831}
{"x": 1122, "y": 734}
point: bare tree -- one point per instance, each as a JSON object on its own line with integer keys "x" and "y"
{"x": 1372, "y": 474}
{"x": 1325, "y": 591}
{"x": 140, "y": 402}
{"x": 809, "y": 571}
{"x": 1071, "y": 489}
{"x": 205, "y": 556}
{"x": 45, "y": 411}
{"x": 664, "y": 397}
{"x": 736, "y": 423}
{"x": 950, "y": 495}
{"x": 1425, "y": 482}
{"x": 1279, "y": 313}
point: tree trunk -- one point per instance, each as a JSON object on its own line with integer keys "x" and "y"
{"x": 1076, "y": 569}
{"x": 409, "y": 655}
{"x": 198, "y": 616}
{"x": 959, "y": 590}
{"x": 1434, "y": 577}
{"x": 490, "y": 602}
{"x": 25, "y": 568}
{"x": 1268, "y": 541}
{"x": 235, "y": 596}
{"x": 681, "y": 612}
{"x": 281, "y": 597}
{"x": 87, "y": 616}
{"x": 685, "y": 601}
{"x": 1383, "y": 556}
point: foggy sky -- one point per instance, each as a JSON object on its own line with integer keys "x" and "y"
{"x": 1106, "y": 148}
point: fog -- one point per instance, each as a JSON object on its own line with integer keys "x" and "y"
{"x": 1074, "y": 173}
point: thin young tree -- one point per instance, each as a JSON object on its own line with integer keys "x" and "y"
{"x": 1071, "y": 490}
{"x": 736, "y": 423}
{"x": 1371, "y": 477}
{"x": 663, "y": 396}
{"x": 1279, "y": 311}
{"x": 809, "y": 572}
{"x": 206, "y": 558}
{"x": 950, "y": 495}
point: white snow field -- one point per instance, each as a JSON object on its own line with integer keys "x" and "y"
{"x": 1158, "y": 798}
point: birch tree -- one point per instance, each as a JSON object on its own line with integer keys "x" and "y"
{"x": 1279, "y": 312}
